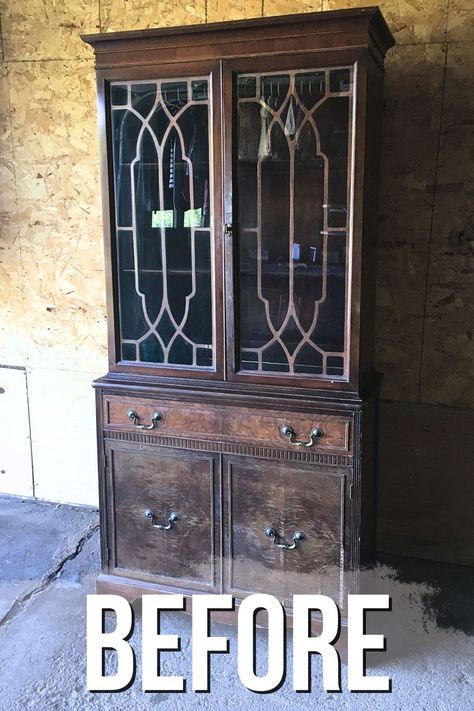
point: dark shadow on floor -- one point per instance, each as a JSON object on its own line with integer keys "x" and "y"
{"x": 451, "y": 601}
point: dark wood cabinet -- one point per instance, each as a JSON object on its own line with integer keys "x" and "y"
{"x": 270, "y": 504}
{"x": 237, "y": 422}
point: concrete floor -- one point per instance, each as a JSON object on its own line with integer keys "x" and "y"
{"x": 48, "y": 562}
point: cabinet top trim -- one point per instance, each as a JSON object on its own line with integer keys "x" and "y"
{"x": 230, "y": 393}
{"x": 355, "y": 27}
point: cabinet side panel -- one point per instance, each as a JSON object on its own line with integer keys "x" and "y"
{"x": 370, "y": 215}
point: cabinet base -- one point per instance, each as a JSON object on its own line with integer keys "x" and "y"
{"x": 132, "y": 590}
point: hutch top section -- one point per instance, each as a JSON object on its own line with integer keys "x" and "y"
{"x": 239, "y": 181}
{"x": 363, "y": 28}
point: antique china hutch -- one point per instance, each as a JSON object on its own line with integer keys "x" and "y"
{"x": 237, "y": 423}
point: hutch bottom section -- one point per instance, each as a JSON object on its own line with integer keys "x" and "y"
{"x": 223, "y": 499}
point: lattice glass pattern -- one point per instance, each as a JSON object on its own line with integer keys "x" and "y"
{"x": 160, "y": 145}
{"x": 294, "y": 145}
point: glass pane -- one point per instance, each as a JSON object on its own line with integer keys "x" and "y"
{"x": 293, "y": 148}
{"x": 160, "y": 143}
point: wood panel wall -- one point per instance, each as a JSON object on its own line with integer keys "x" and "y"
{"x": 52, "y": 314}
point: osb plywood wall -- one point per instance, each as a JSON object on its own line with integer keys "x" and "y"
{"x": 52, "y": 317}
{"x": 52, "y": 295}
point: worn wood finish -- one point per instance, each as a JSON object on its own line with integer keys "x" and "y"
{"x": 333, "y": 495}
{"x": 141, "y": 478}
{"x": 217, "y": 456}
{"x": 286, "y": 498}
{"x": 197, "y": 421}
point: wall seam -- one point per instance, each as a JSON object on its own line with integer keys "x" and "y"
{"x": 99, "y": 8}
{"x": 33, "y": 483}
{"x": 433, "y": 209}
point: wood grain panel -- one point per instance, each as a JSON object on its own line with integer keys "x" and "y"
{"x": 287, "y": 498}
{"x": 228, "y": 423}
{"x": 165, "y": 481}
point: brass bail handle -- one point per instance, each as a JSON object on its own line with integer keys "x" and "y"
{"x": 133, "y": 415}
{"x": 298, "y": 537}
{"x": 316, "y": 433}
{"x": 172, "y": 518}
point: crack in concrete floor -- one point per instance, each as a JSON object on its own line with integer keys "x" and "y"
{"x": 49, "y": 576}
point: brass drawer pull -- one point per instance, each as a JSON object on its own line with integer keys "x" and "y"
{"x": 298, "y": 537}
{"x": 316, "y": 433}
{"x": 156, "y": 417}
{"x": 172, "y": 518}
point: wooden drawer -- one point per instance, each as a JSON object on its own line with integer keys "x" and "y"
{"x": 228, "y": 424}
{"x": 141, "y": 478}
{"x": 290, "y": 499}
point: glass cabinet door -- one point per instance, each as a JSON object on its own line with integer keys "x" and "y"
{"x": 162, "y": 181}
{"x": 292, "y": 204}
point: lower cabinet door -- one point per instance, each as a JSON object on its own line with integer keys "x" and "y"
{"x": 284, "y": 528}
{"x": 162, "y": 515}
